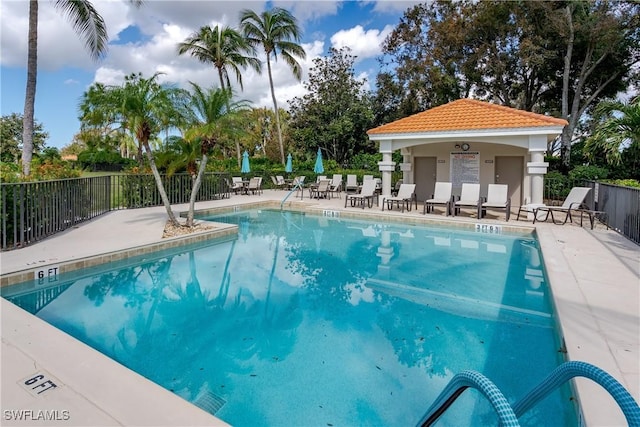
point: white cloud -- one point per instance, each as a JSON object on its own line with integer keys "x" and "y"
{"x": 109, "y": 76}
{"x": 394, "y": 6}
{"x": 13, "y": 24}
{"x": 363, "y": 44}
{"x": 58, "y": 44}
{"x": 162, "y": 25}
{"x": 158, "y": 54}
{"x": 307, "y": 10}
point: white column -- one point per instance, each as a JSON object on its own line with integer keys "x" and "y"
{"x": 386, "y": 166}
{"x": 537, "y": 169}
{"x": 405, "y": 167}
{"x": 385, "y": 253}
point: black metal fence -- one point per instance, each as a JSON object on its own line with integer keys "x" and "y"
{"x": 32, "y": 211}
{"x": 621, "y": 205}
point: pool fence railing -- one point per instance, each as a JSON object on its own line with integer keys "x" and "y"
{"x": 32, "y": 211}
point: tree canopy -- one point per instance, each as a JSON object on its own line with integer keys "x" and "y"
{"x": 559, "y": 58}
{"x": 336, "y": 113}
{"x": 11, "y": 137}
{"x": 616, "y": 131}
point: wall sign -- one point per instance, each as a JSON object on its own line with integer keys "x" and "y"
{"x": 465, "y": 167}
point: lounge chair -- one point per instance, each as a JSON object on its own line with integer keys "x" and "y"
{"x": 352, "y": 184}
{"x": 573, "y": 202}
{"x": 292, "y": 182}
{"x": 497, "y": 198}
{"x": 469, "y": 198}
{"x": 378, "y": 185}
{"x": 396, "y": 188}
{"x": 441, "y": 196}
{"x": 320, "y": 190}
{"x": 336, "y": 184}
{"x": 237, "y": 186}
{"x": 255, "y": 185}
{"x": 278, "y": 182}
{"x": 406, "y": 195}
{"x": 367, "y": 194}
{"x": 298, "y": 185}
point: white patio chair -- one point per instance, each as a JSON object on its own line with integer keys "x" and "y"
{"x": 367, "y": 194}
{"x": 406, "y": 195}
{"x": 236, "y": 184}
{"x": 336, "y": 184}
{"x": 320, "y": 190}
{"x": 497, "y": 198}
{"x": 352, "y": 184}
{"x": 441, "y": 196}
{"x": 469, "y": 198}
{"x": 573, "y": 202}
{"x": 255, "y": 185}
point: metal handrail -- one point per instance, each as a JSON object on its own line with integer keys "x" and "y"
{"x": 569, "y": 370}
{"x": 508, "y": 415}
{"x": 297, "y": 186}
{"x": 458, "y": 384}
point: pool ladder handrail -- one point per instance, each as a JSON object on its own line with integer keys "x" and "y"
{"x": 296, "y": 187}
{"x": 508, "y": 415}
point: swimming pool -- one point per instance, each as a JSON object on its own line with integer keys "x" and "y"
{"x": 307, "y": 320}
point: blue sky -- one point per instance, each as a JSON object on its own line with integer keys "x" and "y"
{"x": 144, "y": 40}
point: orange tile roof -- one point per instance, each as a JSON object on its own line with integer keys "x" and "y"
{"x": 467, "y": 114}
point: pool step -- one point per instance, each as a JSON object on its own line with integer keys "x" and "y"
{"x": 463, "y": 306}
{"x": 209, "y": 402}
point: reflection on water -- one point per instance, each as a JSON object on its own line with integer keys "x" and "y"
{"x": 312, "y": 320}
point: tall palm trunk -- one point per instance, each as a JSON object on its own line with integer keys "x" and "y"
{"x": 194, "y": 190}
{"x": 238, "y": 153}
{"x": 160, "y": 185}
{"x": 30, "y": 96}
{"x": 275, "y": 106}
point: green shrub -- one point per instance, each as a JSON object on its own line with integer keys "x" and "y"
{"x": 556, "y": 186}
{"x": 365, "y": 161}
{"x": 103, "y": 158}
{"x": 624, "y": 182}
{"x": 9, "y": 172}
{"x": 579, "y": 174}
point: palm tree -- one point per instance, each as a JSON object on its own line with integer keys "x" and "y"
{"x": 90, "y": 26}
{"x": 619, "y": 125}
{"x": 142, "y": 107}
{"x": 211, "y": 116}
{"x": 276, "y": 31}
{"x": 224, "y": 48}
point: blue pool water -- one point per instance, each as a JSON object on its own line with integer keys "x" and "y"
{"x": 314, "y": 321}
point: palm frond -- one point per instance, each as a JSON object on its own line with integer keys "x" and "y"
{"x": 88, "y": 23}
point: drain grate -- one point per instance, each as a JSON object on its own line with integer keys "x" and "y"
{"x": 209, "y": 402}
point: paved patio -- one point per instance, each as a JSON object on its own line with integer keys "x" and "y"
{"x": 594, "y": 277}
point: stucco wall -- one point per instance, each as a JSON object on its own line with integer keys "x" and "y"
{"x": 488, "y": 152}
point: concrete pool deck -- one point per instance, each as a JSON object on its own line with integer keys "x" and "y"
{"x": 594, "y": 277}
